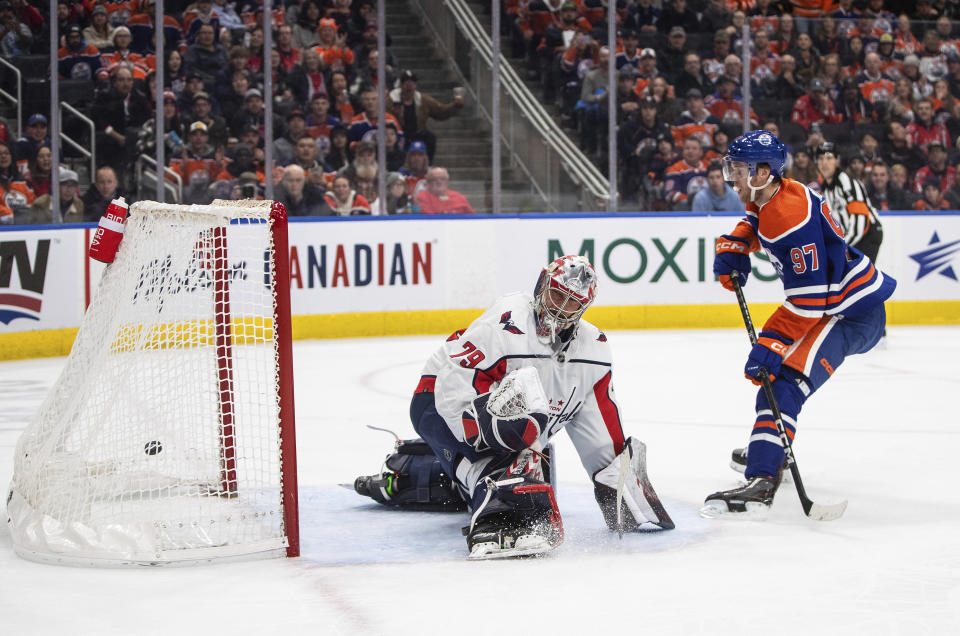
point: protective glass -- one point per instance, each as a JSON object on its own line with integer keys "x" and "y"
{"x": 734, "y": 170}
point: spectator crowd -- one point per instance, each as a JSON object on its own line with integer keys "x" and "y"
{"x": 323, "y": 66}
{"x": 880, "y": 79}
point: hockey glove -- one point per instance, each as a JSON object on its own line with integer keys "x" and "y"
{"x": 510, "y": 418}
{"x": 483, "y": 430}
{"x": 733, "y": 254}
{"x": 767, "y": 354}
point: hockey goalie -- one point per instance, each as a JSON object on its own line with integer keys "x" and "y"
{"x": 488, "y": 403}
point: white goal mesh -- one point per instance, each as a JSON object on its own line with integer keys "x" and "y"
{"x": 161, "y": 440}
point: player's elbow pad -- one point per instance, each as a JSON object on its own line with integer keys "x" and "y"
{"x": 483, "y": 430}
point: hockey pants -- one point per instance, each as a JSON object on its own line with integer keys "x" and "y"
{"x": 459, "y": 459}
{"x": 810, "y": 362}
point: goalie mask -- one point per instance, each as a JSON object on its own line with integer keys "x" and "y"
{"x": 565, "y": 289}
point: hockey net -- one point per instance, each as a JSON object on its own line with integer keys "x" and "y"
{"x": 169, "y": 435}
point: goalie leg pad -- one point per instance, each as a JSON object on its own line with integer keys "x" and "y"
{"x": 413, "y": 478}
{"x": 625, "y": 494}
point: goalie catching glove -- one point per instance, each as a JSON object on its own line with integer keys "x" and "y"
{"x": 511, "y": 418}
{"x": 625, "y": 494}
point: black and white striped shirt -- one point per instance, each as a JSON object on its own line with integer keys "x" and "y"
{"x": 850, "y": 206}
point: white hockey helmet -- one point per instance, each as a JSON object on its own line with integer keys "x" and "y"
{"x": 565, "y": 289}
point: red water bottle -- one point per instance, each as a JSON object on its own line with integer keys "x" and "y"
{"x": 106, "y": 239}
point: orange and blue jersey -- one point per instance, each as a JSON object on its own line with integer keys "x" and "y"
{"x": 682, "y": 181}
{"x": 822, "y": 276}
{"x": 833, "y": 307}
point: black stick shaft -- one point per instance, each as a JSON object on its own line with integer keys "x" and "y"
{"x": 805, "y": 501}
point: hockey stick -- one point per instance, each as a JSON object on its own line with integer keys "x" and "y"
{"x": 820, "y": 512}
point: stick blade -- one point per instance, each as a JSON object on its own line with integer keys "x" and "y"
{"x": 826, "y": 512}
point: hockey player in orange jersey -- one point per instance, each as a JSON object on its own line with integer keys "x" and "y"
{"x": 834, "y": 304}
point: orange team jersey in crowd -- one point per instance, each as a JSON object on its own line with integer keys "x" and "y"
{"x": 768, "y": 22}
{"x": 89, "y": 49}
{"x": 359, "y": 126}
{"x": 346, "y": 110}
{"x": 739, "y": 5}
{"x": 320, "y": 130}
{"x": 810, "y": 8}
{"x": 140, "y": 65}
{"x": 702, "y": 131}
{"x": 120, "y": 12}
{"x": 873, "y": 34}
{"x": 16, "y": 194}
{"x": 145, "y": 20}
{"x": 767, "y": 66}
{"x": 881, "y": 89}
{"x": 330, "y": 54}
{"x": 570, "y": 59}
{"x": 852, "y": 70}
{"x": 681, "y": 181}
{"x": 195, "y": 171}
{"x": 720, "y": 108}
{"x": 641, "y": 88}
{"x": 906, "y": 43}
{"x": 891, "y": 68}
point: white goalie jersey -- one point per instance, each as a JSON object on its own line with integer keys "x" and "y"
{"x": 576, "y": 381}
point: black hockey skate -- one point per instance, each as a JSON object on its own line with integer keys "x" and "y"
{"x": 738, "y": 462}
{"x": 523, "y": 521}
{"x": 752, "y": 500}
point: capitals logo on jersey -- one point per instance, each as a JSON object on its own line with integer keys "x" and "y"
{"x": 508, "y": 324}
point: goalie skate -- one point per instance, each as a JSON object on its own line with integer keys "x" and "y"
{"x": 750, "y": 501}
{"x": 501, "y": 545}
{"x": 738, "y": 462}
{"x": 532, "y": 528}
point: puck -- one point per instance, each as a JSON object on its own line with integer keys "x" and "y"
{"x": 152, "y": 448}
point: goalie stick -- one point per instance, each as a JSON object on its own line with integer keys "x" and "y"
{"x": 819, "y": 512}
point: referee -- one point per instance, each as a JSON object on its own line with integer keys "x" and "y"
{"x": 848, "y": 201}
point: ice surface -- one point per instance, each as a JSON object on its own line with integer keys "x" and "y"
{"x": 883, "y": 434}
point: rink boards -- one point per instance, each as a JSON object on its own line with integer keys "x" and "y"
{"x": 370, "y": 276}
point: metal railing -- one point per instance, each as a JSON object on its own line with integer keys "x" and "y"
{"x": 18, "y": 100}
{"x": 90, "y": 154}
{"x": 537, "y": 145}
{"x": 174, "y": 189}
